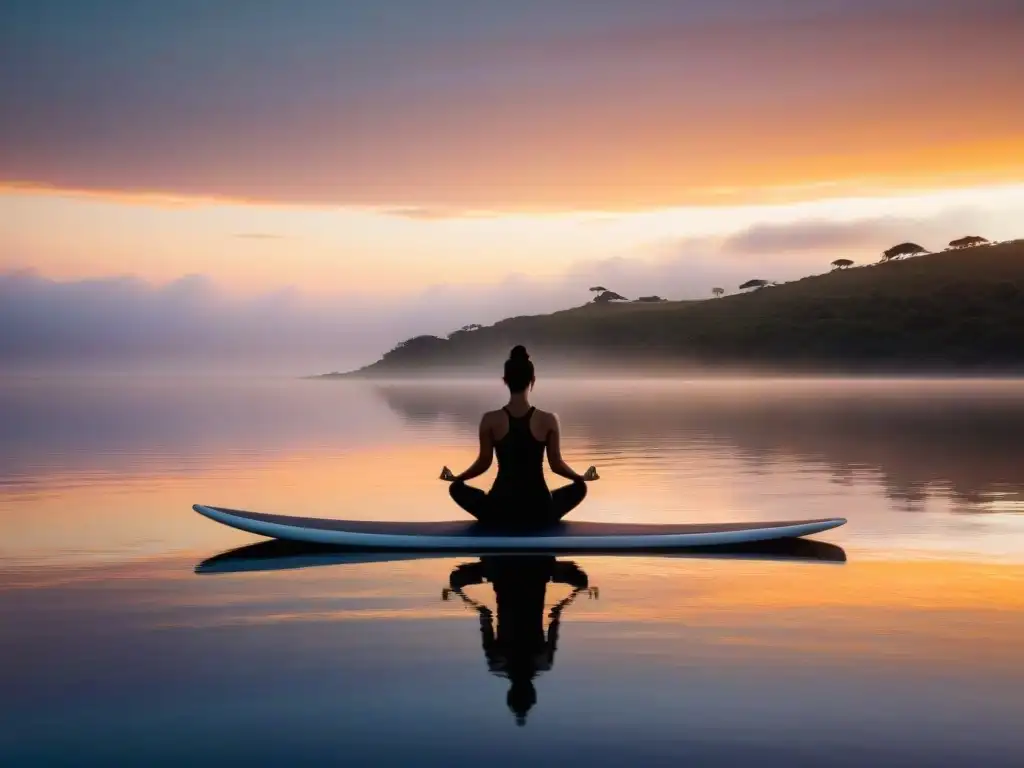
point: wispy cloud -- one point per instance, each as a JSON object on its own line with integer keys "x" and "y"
{"x": 870, "y": 235}
{"x": 426, "y": 214}
{"x": 818, "y": 236}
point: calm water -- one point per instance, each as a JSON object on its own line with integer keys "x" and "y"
{"x": 121, "y": 641}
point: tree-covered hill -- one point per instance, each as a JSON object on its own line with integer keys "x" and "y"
{"x": 957, "y": 309}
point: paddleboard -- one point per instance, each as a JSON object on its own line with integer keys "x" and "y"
{"x": 463, "y": 535}
{"x": 278, "y": 555}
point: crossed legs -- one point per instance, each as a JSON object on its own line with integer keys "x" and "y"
{"x": 484, "y": 508}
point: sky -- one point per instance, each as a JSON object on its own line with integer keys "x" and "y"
{"x": 348, "y": 174}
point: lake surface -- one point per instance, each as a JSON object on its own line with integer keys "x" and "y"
{"x": 123, "y": 642}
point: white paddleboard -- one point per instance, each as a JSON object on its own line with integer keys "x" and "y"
{"x": 469, "y": 535}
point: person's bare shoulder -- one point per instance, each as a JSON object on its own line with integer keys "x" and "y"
{"x": 546, "y": 420}
{"x": 491, "y": 418}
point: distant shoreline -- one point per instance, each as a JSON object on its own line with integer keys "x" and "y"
{"x": 1011, "y": 373}
{"x": 955, "y": 313}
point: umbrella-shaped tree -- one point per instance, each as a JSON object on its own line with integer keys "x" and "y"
{"x": 841, "y": 264}
{"x": 967, "y": 242}
{"x": 718, "y": 292}
{"x": 903, "y": 249}
{"x": 606, "y": 296}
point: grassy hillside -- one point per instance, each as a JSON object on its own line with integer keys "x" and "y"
{"x": 955, "y": 309}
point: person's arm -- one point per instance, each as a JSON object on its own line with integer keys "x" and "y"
{"x": 551, "y": 642}
{"x": 555, "y": 460}
{"x": 568, "y": 572}
{"x": 466, "y": 575}
{"x": 485, "y": 457}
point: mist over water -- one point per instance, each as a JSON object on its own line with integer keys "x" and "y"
{"x": 905, "y": 649}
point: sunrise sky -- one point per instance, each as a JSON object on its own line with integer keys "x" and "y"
{"x": 306, "y": 166}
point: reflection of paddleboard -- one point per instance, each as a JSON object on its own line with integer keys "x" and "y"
{"x": 289, "y": 555}
{"x": 461, "y": 535}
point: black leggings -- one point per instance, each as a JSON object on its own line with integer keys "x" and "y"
{"x": 487, "y": 509}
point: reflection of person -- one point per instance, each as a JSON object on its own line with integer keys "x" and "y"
{"x": 520, "y": 435}
{"x": 518, "y": 648}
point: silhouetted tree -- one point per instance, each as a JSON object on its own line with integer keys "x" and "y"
{"x": 598, "y": 289}
{"x": 756, "y": 283}
{"x": 718, "y": 292}
{"x": 650, "y": 298}
{"x": 841, "y": 264}
{"x": 466, "y": 329}
{"x": 967, "y": 242}
{"x": 903, "y": 249}
{"x": 607, "y": 296}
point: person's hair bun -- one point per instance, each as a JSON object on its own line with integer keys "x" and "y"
{"x": 518, "y": 353}
{"x": 518, "y": 369}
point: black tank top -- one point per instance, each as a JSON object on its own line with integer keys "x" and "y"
{"x": 520, "y": 455}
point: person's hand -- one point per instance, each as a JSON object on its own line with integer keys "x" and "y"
{"x": 591, "y": 475}
{"x": 446, "y": 475}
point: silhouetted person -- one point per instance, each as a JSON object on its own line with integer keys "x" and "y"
{"x": 518, "y": 648}
{"x": 519, "y": 434}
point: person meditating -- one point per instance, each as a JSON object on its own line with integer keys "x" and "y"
{"x": 519, "y": 434}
